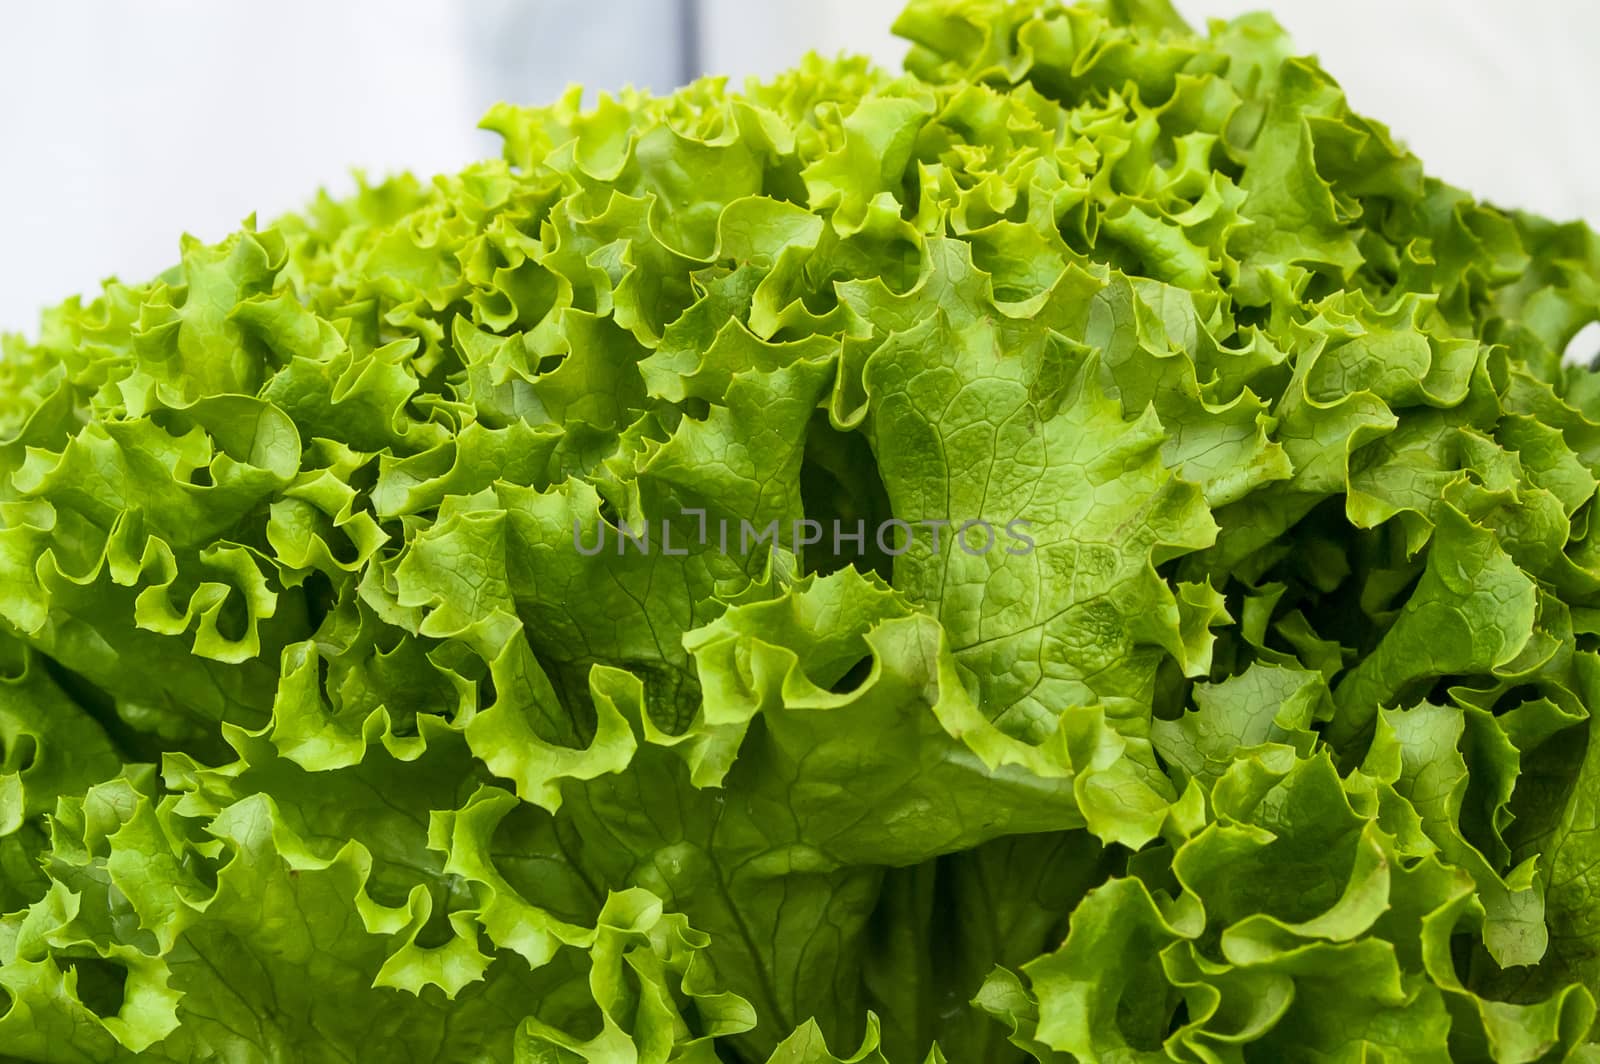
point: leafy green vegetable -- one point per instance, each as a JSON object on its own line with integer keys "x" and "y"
{"x": 1080, "y": 551}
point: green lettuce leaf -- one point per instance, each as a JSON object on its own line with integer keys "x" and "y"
{"x": 1080, "y": 550}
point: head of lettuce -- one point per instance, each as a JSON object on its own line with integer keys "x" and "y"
{"x": 1079, "y": 551}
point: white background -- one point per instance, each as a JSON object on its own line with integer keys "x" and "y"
{"x": 123, "y": 125}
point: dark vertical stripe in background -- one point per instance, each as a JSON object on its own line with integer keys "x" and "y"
{"x": 692, "y": 62}
{"x": 529, "y": 51}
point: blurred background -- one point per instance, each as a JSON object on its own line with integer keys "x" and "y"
{"x": 124, "y": 125}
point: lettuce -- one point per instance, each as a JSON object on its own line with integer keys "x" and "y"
{"x": 1078, "y": 551}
